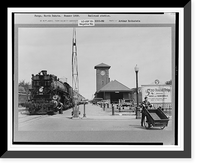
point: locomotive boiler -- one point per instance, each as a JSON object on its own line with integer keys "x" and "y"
{"x": 49, "y": 95}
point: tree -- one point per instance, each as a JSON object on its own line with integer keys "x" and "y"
{"x": 168, "y": 82}
{"x": 25, "y": 85}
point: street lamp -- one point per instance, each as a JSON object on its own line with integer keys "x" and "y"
{"x": 137, "y": 108}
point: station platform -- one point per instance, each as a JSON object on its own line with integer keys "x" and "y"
{"x": 95, "y": 111}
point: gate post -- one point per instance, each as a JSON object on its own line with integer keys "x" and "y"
{"x": 104, "y": 105}
{"x": 84, "y": 114}
{"x": 113, "y": 112}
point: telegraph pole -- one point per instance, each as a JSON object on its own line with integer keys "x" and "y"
{"x": 75, "y": 81}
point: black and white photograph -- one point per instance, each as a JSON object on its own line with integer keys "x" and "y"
{"x": 105, "y": 78}
{"x": 93, "y": 81}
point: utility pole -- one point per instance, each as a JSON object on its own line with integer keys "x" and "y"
{"x": 75, "y": 81}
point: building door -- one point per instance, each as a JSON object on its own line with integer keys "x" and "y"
{"x": 114, "y": 97}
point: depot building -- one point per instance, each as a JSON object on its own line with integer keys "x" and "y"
{"x": 109, "y": 90}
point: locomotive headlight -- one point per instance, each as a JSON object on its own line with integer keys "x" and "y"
{"x": 41, "y": 89}
{"x": 55, "y": 97}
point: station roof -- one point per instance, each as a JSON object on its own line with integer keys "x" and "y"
{"x": 114, "y": 86}
{"x": 102, "y": 65}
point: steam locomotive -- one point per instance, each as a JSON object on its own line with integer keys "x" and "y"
{"x": 49, "y": 95}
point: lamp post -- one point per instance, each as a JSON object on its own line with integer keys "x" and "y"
{"x": 137, "y": 108}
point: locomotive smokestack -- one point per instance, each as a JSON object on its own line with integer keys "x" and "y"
{"x": 44, "y": 72}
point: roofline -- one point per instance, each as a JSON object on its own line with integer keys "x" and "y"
{"x": 129, "y": 90}
{"x": 95, "y": 67}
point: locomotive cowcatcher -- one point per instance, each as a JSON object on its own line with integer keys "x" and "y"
{"x": 49, "y": 95}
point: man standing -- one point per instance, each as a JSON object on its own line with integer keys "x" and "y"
{"x": 145, "y": 105}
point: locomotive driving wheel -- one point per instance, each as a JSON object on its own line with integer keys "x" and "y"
{"x": 61, "y": 111}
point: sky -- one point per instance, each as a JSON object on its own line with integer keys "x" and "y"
{"x": 122, "y": 48}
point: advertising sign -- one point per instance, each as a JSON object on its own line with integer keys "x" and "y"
{"x": 157, "y": 93}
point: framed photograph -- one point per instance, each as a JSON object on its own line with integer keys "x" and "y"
{"x": 99, "y": 82}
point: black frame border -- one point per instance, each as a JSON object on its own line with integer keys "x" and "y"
{"x": 186, "y": 154}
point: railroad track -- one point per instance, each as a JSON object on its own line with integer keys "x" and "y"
{"x": 25, "y": 117}
{"x": 29, "y": 118}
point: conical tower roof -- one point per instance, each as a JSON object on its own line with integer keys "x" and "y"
{"x": 102, "y": 65}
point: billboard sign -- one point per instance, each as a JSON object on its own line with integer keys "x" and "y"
{"x": 157, "y": 93}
